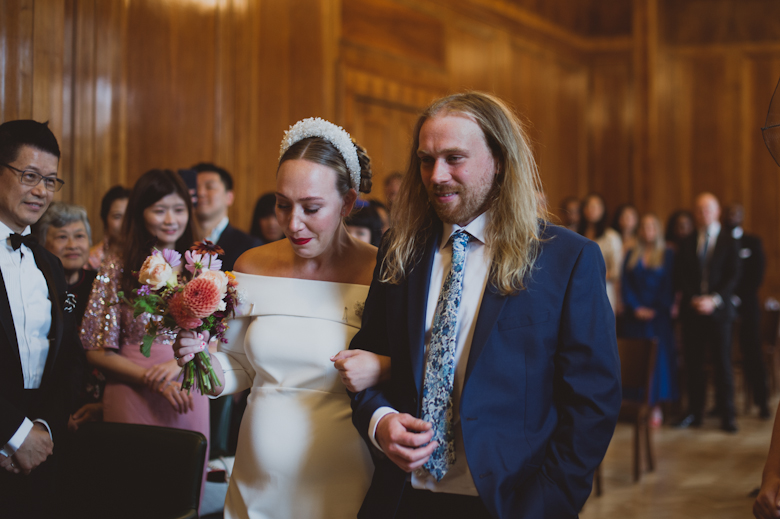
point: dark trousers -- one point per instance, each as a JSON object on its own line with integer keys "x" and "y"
{"x": 702, "y": 334}
{"x": 423, "y": 504}
{"x": 750, "y": 345}
{"x": 35, "y": 495}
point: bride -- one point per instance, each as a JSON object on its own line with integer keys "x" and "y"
{"x": 298, "y": 454}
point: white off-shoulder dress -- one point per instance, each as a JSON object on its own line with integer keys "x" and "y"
{"x": 298, "y": 454}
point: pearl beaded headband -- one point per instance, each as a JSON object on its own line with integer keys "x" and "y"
{"x": 336, "y": 135}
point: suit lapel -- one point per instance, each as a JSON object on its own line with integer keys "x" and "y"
{"x": 7, "y": 322}
{"x": 417, "y": 305}
{"x": 56, "y": 330}
{"x": 489, "y": 310}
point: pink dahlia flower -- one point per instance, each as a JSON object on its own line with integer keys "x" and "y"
{"x": 201, "y": 297}
{"x": 184, "y": 319}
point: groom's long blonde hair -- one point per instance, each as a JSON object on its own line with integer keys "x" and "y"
{"x": 515, "y": 223}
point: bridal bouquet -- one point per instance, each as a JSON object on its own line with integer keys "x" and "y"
{"x": 204, "y": 303}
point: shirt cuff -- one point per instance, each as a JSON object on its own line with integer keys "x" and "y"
{"x": 43, "y": 422}
{"x": 18, "y": 438}
{"x": 378, "y": 415}
{"x": 717, "y": 300}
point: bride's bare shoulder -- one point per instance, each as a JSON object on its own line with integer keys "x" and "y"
{"x": 366, "y": 260}
{"x": 265, "y": 260}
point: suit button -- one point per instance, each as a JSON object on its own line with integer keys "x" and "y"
{"x": 471, "y": 418}
{"x": 486, "y": 474}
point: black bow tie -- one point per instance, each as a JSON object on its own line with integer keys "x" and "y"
{"x": 17, "y": 240}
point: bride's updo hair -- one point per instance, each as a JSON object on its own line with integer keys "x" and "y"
{"x": 321, "y": 151}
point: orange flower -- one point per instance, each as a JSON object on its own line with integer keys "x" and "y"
{"x": 201, "y": 297}
{"x": 183, "y": 318}
{"x": 206, "y": 247}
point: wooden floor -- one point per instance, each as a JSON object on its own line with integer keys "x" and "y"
{"x": 700, "y": 473}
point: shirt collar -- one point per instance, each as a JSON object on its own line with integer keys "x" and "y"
{"x": 713, "y": 229}
{"x": 6, "y": 231}
{"x": 476, "y": 229}
{"x": 218, "y": 230}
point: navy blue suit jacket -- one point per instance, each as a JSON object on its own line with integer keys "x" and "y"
{"x": 542, "y": 389}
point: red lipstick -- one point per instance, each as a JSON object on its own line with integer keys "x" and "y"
{"x": 300, "y": 241}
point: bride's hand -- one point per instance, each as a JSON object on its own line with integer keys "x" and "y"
{"x": 360, "y": 369}
{"x": 189, "y": 343}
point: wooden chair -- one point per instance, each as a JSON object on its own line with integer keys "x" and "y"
{"x": 121, "y": 470}
{"x": 637, "y": 362}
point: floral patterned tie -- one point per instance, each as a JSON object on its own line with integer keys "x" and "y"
{"x": 440, "y": 366}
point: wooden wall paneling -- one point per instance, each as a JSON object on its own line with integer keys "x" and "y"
{"x": 237, "y": 126}
{"x": 477, "y": 58}
{"x": 394, "y": 28}
{"x": 48, "y": 47}
{"x": 610, "y": 129}
{"x": 84, "y": 185}
{"x": 550, "y": 93}
{"x": 762, "y": 201}
{"x": 16, "y": 65}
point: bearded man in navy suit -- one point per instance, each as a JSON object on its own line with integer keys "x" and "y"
{"x": 504, "y": 388}
{"x": 41, "y": 358}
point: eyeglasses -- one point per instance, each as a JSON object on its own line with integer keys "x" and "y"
{"x": 32, "y": 179}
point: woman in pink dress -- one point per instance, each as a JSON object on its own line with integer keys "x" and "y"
{"x": 139, "y": 389}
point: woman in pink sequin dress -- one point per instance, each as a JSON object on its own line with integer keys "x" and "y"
{"x": 142, "y": 390}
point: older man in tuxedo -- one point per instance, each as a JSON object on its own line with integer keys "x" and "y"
{"x": 707, "y": 272}
{"x": 505, "y": 382}
{"x": 40, "y": 355}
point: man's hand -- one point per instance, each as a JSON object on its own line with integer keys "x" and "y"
{"x": 767, "y": 505}
{"x": 402, "y": 437}
{"x": 33, "y": 451}
{"x": 704, "y": 305}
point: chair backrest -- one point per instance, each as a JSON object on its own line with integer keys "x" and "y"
{"x": 127, "y": 470}
{"x": 637, "y": 362}
{"x": 770, "y": 326}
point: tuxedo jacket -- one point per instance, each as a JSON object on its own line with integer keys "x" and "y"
{"x": 64, "y": 366}
{"x": 541, "y": 392}
{"x": 235, "y": 242}
{"x": 722, "y": 272}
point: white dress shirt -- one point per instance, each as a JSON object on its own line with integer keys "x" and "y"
{"x": 458, "y": 479}
{"x": 28, "y": 295}
{"x": 216, "y": 234}
{"x": 710, "y": 235}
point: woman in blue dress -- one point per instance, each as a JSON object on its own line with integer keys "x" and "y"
{"x": 648, "y": 296}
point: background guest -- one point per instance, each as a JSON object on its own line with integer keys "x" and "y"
{"x": 707, "y": 271}
{"x": 264, "y": 223}
{"x": 364, "y": 224}
{"x": 112, "y": 210}
{"x": 625, "y": 222}
{"x": 593, "y": 225}
{"x": 678, "y": 227}
{"x": 142, "y": 389}
{"x": 745, "y": 299}
{"x": 383, "y": 212}
{"x": 215, "y": 196}
{"x": 392, "y": 185}
{"x": 64, "y": 230}
{"x": 648, "y": 295}
{"x": 570, "y": 213}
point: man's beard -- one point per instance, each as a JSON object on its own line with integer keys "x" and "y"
{"x": 472, "y": 201}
